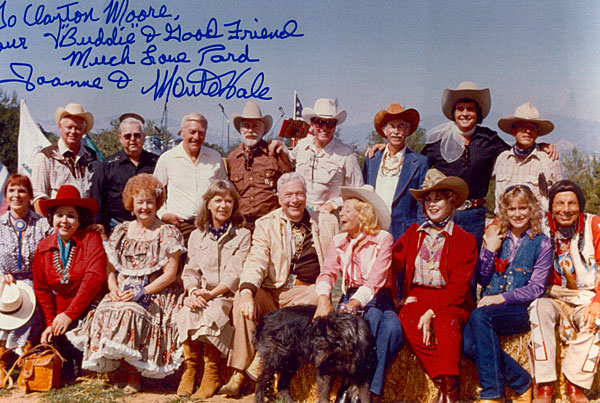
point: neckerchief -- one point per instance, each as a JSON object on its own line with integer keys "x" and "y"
{"x": 523, "y": 153}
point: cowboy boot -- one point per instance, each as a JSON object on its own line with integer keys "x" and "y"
{"x": 232, "y": 388}
{"x": 575, "y": 393}
{"x": 134, "y": 380}
{"x": 523, "y": 397}
{"x": 449, "y": 389}
{"x": 544, "y": 393}
{"x": 210, "y": 379}
{"x": 191, "y": 360}
{"x": 253, "y": 371}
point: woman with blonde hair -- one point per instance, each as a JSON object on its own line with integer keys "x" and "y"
{"x": 362, "y": 253}
{"x": 216, "y": 252}
{"x": 513, "y": 266}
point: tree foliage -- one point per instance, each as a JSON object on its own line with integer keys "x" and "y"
{"x": 9, "y": 129}
{"x": 107, "y": 140}
{"x": 584, "y": 170}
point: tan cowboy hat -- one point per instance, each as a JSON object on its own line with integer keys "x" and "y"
{"x": 17, "y": 304}
{"x": 68, "y": 195}
{"x": 324, "y": 108}
{"x": 75, "y": 110}
{"x": 131, "y": 115}
{"x": 252, "y": 111}
{"x": 436, "y": 180}
{"x": 466, "y": 90}
{"x": 396, "y": 111}
{"x": 526, "y": 113}
{"x": 367, "y": 194}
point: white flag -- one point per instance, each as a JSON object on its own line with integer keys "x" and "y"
{"x": 31, "y": 141}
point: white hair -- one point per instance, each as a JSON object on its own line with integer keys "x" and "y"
{"x": 290, "y": 177}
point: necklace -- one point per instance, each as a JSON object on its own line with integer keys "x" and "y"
{"x": 63, "y": 272}
{"x": 391, "y": 165}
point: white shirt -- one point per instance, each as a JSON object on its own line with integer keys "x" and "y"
{"x": 187, "y": 181}
{"x": 385, "y": 186}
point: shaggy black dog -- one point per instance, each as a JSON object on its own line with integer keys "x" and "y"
{"x": 338, "y": 344}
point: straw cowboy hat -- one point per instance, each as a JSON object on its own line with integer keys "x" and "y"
{"x": 396, "y": 111}
{"x": 436, "y": 180}
{"x": 75, "y": 110}
{"x": 324, "y": 108}
{"x": 17, "y": 304}
{"x": 526, "y": 113}
{"x": 252, "y": 111}
{"x": 467, "y": 90}
{"x": 367, "y": 194}
{"x": 68, "y": 195}
{"x": 131, "y": 115}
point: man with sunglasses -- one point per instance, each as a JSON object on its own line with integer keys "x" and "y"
{"x": 110, "y": 178}
{"x": 525, "y": 163}
{"x": 325, "y": 162}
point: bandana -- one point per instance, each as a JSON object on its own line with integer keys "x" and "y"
{"x": 523, "y": 153}
{"x": 217, "y": 233}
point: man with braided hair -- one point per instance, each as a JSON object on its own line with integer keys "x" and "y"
{"x": 573, "y": 299}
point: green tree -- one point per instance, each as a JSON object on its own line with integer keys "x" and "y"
{"x": 107, "y": 140}
{"x": 9, "y": 129}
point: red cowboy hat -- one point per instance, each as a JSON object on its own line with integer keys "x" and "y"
{"x": 68, "y": 195}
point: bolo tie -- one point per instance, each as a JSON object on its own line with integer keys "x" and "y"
{"x": 19, "y": 225}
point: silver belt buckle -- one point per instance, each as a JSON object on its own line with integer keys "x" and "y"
{"x": 291, "y": 281}
{"x": 466, "y": 205}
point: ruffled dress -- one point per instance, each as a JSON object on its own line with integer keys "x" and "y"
{"x": 145, "y": 338}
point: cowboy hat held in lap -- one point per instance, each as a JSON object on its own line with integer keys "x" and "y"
{"x": 252, "y": 111}
{"x": 436, "y": 180}
{"x": 324, "y": 108}
{"x": 367, "y": 194}
{"x": 526, "y": 113}
{"x": 466, "y": 90}
{"x": 17, "y": 304}
{"x": 68, "y": 195}
{"x": 75, "y": 110}
{"x": 396, "y": 111}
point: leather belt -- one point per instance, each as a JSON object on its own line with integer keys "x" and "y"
{"x": 300, "y": 282}
{"x": 471, "y": 203}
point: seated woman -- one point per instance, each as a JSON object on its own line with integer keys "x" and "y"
{"x": 20, "y": 231}
{"x": 362, "y": 253}
{"x": 438, "y": 258}
{"x": 513, "y": 266}
{"x": 69, "y": 270}
{"x": 216, "y": 252}
{"x": 133, "y": 325}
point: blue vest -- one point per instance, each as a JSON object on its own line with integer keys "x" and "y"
{"x": 518, "y": 272}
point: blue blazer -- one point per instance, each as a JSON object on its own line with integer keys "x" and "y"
{"x": 405, "y": 208}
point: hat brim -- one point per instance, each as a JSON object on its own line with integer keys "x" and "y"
{"x": 237, "y": 121}
{"x": 369, "y": 196}
{"x": 85, "y": 202}
{"x": 506, "y": 123}
{"x": 481, "y": 96}
{"x": 308, "y": 113}
{"x": 17, "y": 319}
{"x": 383, "y": 116}
{"x": 87, "y": 116}
{"x": 453, "y": 183}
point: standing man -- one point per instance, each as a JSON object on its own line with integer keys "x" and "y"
{"x": 396, "y": 169}
{"x": 525, "y": 163}
{"x": 111, "y": 176}
{"x": 67, "y": 162}
{"x": 254, "y": 172}
{"x": 186, "y": 171}
{"x": 288, "y": 249}
{"x": 573, "y": 300}
{"x": 324, "y": 162}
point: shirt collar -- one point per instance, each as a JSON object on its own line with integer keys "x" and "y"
{"x": 448, "y": 228}
{"x": 534, "y": 153}
{"x": 328, "y": 149}
{"x": 62, "y": 148}
{"x": 180, "y": 152}
{"x": 399, "y": 155}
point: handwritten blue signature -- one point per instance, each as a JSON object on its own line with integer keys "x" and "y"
{"x": 67, "y": 38}
{"x": 205, "y": 82}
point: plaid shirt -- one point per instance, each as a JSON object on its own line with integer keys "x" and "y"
{"x": 427, "y": 264}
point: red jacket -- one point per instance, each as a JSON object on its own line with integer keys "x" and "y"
{"x": 87, "y": 276}
{"x": 459, "y": 257}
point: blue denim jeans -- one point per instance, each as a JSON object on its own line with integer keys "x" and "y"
{"x": 496, "y": 369}
{"x": 380, "y": 314}
{"x": 472, "y": 221}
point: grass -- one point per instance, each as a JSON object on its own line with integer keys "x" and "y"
{"x": 87, "y": 391}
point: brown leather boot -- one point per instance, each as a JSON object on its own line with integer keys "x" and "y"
{"x": 211, "y": 381}
{"x": 192, "y": 350}
{"x": 232, "y": 388}
{"x": 575, "y": 393}
{"x": 524, "y": 397}
{"x": 544, "y": 393}
{"x": 449, "y": 389}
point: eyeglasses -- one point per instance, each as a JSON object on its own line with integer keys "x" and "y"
{"x": 127, "y": 136}
{"x": 330, "y": 124}
{"x": 512, "y": 187}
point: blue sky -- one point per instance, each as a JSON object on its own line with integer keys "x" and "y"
{"x": 365, "y": 54}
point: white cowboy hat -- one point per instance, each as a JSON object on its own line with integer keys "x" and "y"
{"x": 252, "y": 111}
{"x": 436, "y": 180}
{"x": 17, "y": 303}
{"x": 75, "y": 110}
{"x": 324, "y": 108}
{"x": 466, "y": 90}
{"x": 526, "y": 113}
{"x": 367, "y": 194}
